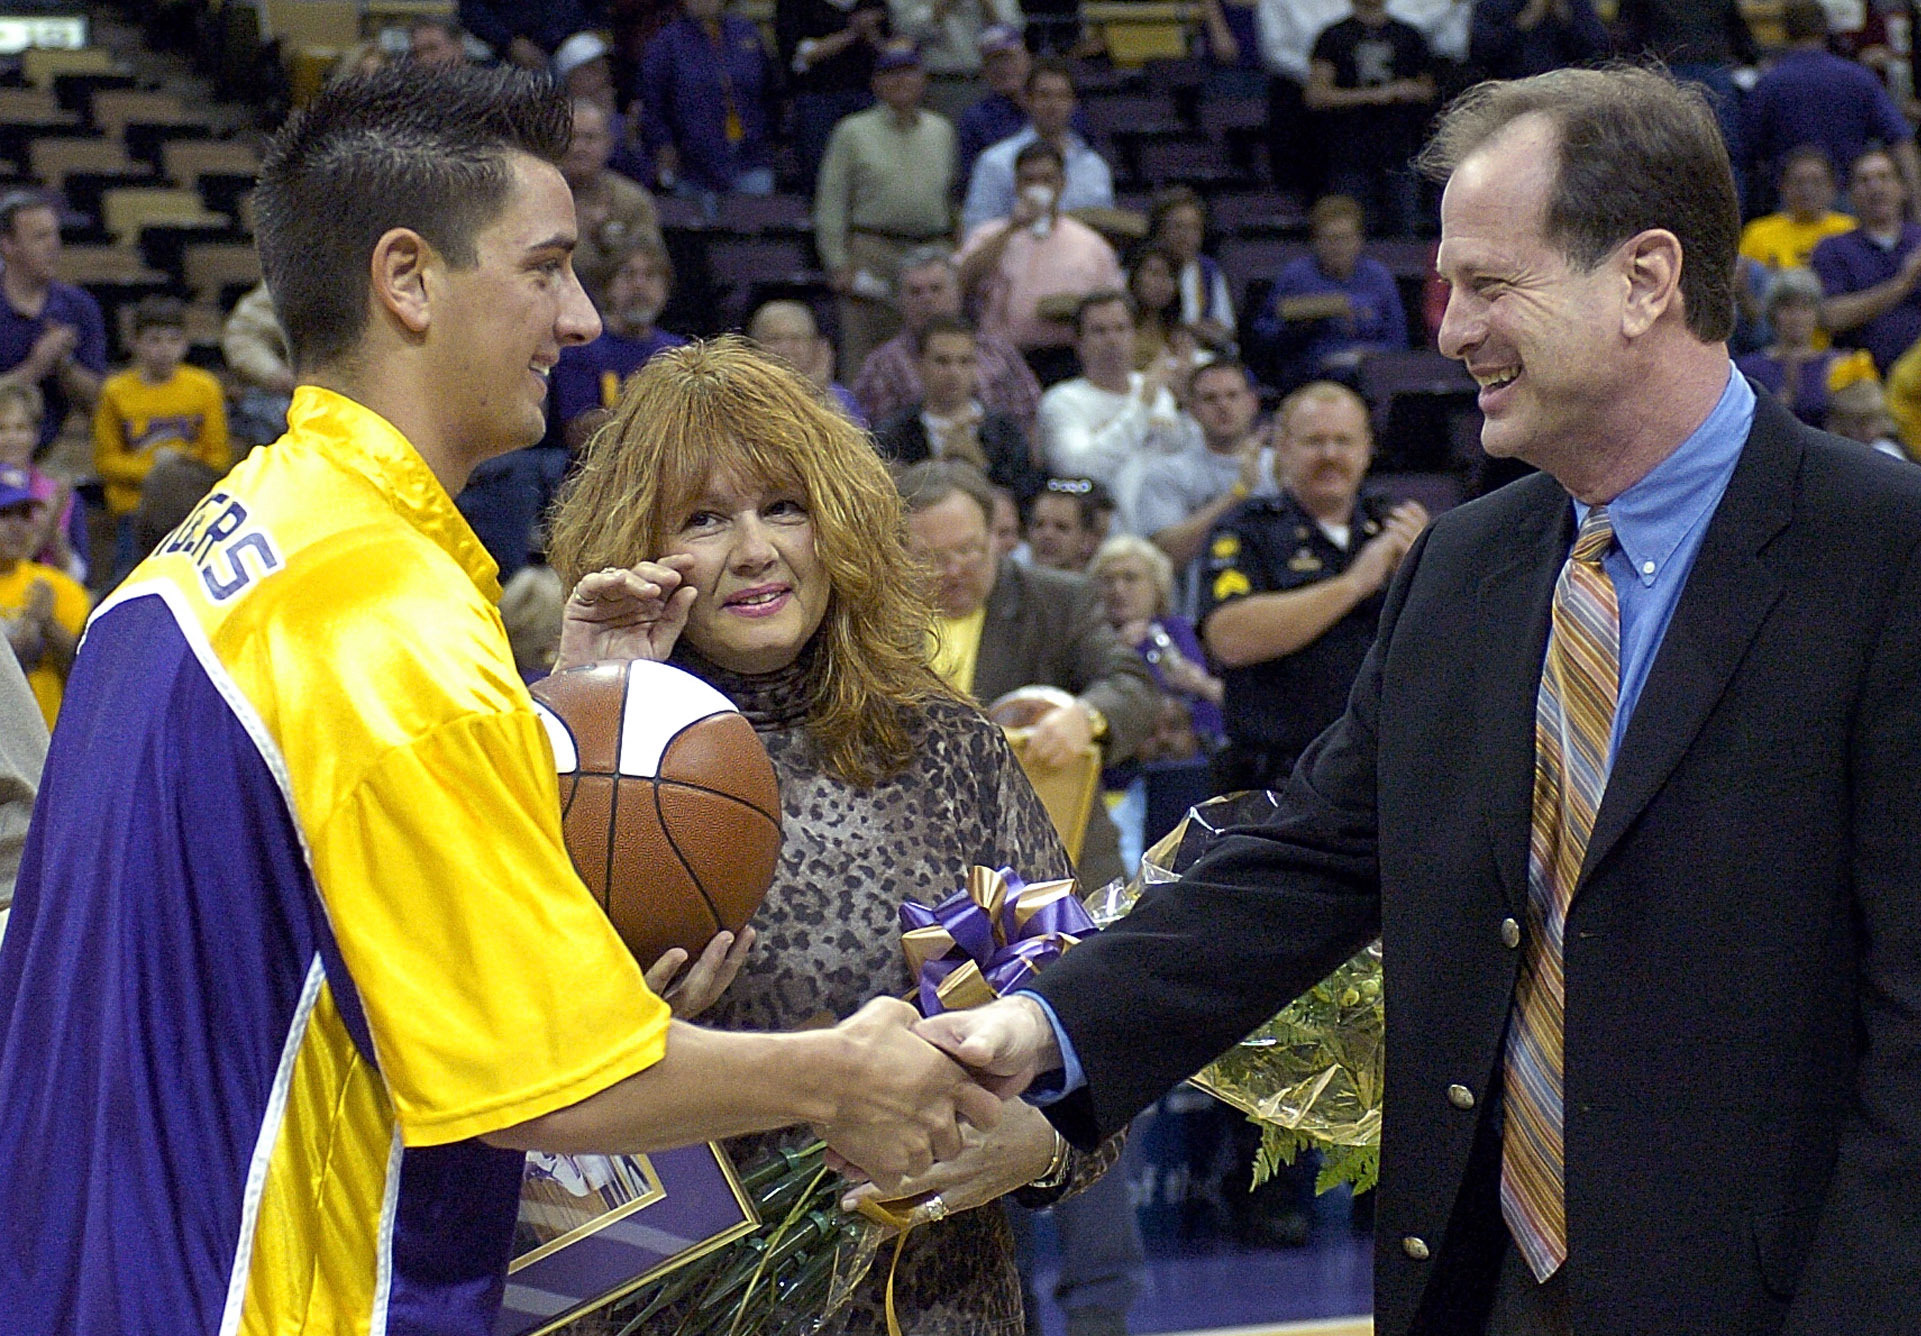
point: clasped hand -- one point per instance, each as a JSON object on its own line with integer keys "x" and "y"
{"x": 906, "y": 1104}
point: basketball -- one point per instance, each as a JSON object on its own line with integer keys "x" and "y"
{"x": 668, "y": 801}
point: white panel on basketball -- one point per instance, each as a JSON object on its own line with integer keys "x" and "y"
{"x": 566, "y": 755}
{"x": 661, "y": 701}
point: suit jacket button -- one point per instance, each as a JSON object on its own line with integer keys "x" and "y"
{"x": 1460, "y": 1097}
{"x": 1510, "y": 933}
{"x": 1415, "y": 1247}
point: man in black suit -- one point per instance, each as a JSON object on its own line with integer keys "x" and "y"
{"x": 1738, "y": 1096}
{"x": 950, "y": 421}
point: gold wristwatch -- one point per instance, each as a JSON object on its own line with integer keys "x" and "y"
{"x": 1096, "y": 720}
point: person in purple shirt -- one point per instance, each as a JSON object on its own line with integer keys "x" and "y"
{"x": 588, "y": 378}
{"x": 1331, "y": 307}
{"x": 1871, "y": 274}
{"x": 51, "y": 333}
{"x": 705, "y": 82}
{"x": 1812, "y": 96}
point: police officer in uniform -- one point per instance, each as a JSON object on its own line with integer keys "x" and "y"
{"x": 1294, "y": 586}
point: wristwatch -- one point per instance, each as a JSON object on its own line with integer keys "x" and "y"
{"x": 1096, "y": 720}
{"x": 1058, "y": 1169}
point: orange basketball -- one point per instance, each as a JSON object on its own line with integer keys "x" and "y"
{"x": 668, "y": 801}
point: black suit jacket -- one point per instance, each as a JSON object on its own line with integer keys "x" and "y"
{"x": 1743, "y": 951}
{"x": 903, "y": 440}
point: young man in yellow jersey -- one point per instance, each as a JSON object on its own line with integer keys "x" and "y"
{"x": 298, "y": 965}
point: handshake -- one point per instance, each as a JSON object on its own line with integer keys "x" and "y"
{"x": 926, "y": 1111}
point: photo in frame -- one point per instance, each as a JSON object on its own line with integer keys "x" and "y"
{"x": 592, "y": 1228}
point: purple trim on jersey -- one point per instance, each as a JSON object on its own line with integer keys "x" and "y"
{"x": 163, "y": 930}
{"x": 453, "y": 1237}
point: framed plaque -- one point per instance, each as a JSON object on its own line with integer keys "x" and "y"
{"x": 593, "y": 1228}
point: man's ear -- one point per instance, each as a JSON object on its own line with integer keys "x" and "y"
{"x": 401, "y": 263}
{"x": 1652, "y": 266}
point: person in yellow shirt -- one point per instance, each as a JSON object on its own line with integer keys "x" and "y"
{"x": 1786, "y": 240}
{"x": 156, "y": 404}
{"x": 43, "y": 609}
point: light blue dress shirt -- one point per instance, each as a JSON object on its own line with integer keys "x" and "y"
{"x": 1658, "y": 526}
{"x": 990, "y": 190}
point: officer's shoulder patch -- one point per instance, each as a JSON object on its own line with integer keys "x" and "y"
{"x": 1230, "y": 584}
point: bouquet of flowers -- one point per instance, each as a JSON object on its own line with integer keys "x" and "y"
{"x": 787, "y": 1278}
{"x": 1311, "y": 1076}
{"x": 793, "y": 1274}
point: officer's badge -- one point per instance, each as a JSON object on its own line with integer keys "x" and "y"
{"x": 1303, "y": 562}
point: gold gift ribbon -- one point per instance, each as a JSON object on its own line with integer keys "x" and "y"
{"x": 965, "y": 987}
{"x": 899, "y": 1214}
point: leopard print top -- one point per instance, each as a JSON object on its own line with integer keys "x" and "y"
{"x": 829, "y": 940}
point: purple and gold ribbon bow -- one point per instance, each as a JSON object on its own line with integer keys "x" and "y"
{"x": 987, "y": 940}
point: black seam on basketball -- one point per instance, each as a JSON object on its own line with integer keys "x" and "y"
{"x": 613, "y": 803}
{"x": 755, "y": 808}
{"x": 667, "y": 833}
{"x": 606, "y": 892}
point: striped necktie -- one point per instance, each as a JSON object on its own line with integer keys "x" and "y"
{"x": 1573, "y": 728}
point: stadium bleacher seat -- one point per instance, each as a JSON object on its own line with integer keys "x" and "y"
{"x": 125, "y": 210}
{"x": 41, "y": 65}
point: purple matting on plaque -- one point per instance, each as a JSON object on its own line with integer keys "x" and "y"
{"x": 701, "y": 1207}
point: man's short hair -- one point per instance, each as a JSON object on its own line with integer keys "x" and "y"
{"x": 1169, "y": 198}
{"x": 946, "y": 324}
{"x": 1099, "y": 297}
{"x": 16, "y": 202}
{"x": 1794, "y": 157}
{"x": 1323, "y": 392}
{"x": 930, "y": 482}
{"x": 1793, "y": 285}
{"x": 1874, "y": 150}
{"x": 780, "y": 306}
{"x": 403, "y": 147}
{"x": 644, "y": 243}
{"x": 1036, "y": 149}
{"x": 158, "y": 313}
{"x": 1048, "y": 66}
{"x": 1092, "y": 501}
{"x": 1219, "y": 364}
{"x": 1335, "y": 209}
{"x": 925, "y": 256}
{"x": 1638, "y": 149}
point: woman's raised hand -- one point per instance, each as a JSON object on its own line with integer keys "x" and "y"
{"x": 626, "y": 614}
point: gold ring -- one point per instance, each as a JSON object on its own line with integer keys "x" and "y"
{"x": 936, "y": 1208}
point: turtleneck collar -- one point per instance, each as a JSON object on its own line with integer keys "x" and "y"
{"x": 779, "y": 699}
